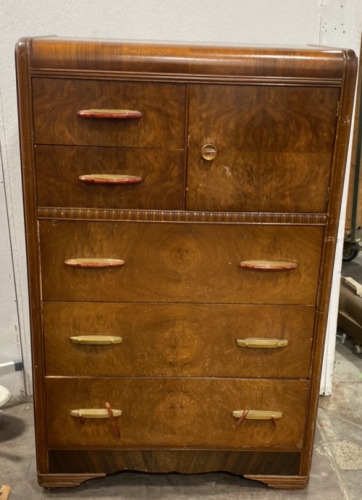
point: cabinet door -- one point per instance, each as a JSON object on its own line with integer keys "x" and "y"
{"x": 260, "y": 148}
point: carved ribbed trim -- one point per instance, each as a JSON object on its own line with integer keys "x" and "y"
{"x": 185, "y": 78}
{"x": 181, "y": 216}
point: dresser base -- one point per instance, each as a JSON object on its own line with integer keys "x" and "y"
{"x": 72, "y": 467}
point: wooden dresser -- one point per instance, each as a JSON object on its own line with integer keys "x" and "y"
{"x": 181, "y": 208}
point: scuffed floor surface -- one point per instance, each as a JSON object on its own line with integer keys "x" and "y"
{"x": 336, "y": 471}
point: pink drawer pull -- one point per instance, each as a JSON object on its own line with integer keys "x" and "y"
{"x": 268, "y": 265}
{"x": 110, "y": 179}
{"x": 117, "y": 114}
{"x": 94, "y": 262}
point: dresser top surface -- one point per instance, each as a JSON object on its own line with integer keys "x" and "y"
{"x": 55, "y": 53}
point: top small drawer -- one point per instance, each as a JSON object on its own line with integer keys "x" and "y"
{"x": 59, "y": 118}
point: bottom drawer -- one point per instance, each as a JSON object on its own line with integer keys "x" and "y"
{"x": 191, "y": 413}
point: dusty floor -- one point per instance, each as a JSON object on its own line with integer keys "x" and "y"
{"x": 336, "y": 470}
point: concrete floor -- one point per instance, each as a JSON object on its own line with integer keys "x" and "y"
{"x": 337, "y": 461}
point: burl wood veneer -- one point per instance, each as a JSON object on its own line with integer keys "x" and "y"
{"x": 181, "y": 208}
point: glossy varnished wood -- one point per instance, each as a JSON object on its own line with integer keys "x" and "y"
{"x": 177, "y": 340}
{"x": 278, "y": 120}
{"x": 187, "y": 62}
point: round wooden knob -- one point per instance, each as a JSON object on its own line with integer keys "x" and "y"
{"x": 208, "y": 152}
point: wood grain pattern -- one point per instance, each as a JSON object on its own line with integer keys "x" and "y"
{"x": 177, "y": 340}
{"x": 57, "y": 102}
{"x": 59, "y": 169}
{"x": 163, "y": 412}
{"x": 294, "y": 64}
{"x": 179, "y": 262}
{"x": 271, "y": 142}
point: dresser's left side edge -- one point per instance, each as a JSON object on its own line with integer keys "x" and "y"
{"x": 25, "y": 115}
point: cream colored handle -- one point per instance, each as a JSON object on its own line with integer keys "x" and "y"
{"x": 96, "y": 340}
{"x": 94, "y": 262}
{"x": 118, "y": 114}
{"x": 110, "y": 179}
{"x": 257, "y": 414}
{"x": 262, "y": 343}
{"x": 268, "y": 265}
{"x": 94, "y": 413}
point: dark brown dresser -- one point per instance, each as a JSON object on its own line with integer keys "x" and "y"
{"x": 181, "y": 208}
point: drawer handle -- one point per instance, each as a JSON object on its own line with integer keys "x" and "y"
{"x": 110, "y": 179}
{"x": 96, "y": 340}
{"x": 243, "y": 415}
{"x": 94, "y": 413}
{"x": 268, "y": 265}
{"x": 94, "y": 262}
{"x": 118, "y": 114}
{"x": 260, "y": 343}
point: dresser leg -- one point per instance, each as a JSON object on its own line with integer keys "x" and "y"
{"x": 65, "y": 480}
{"x": 282, "y": 482}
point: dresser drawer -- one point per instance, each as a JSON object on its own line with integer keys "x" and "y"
{"x": 97, "y": 177}
{"x": 158, "y": 124}
{"x": 179, "y": 262}
{"x": 196, "y": 413}
{"x": 109, "y": 339}
{"x": 274, "y": 148}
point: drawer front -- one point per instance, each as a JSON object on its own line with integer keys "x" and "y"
{"x": 186, "y": 262}
{"x": 57, "y": 103}
{"x": 274, "y": 148}
{"x": 195, "y": 413}
{"x": 152, "y": 179}
{"x": 177, "y": 340}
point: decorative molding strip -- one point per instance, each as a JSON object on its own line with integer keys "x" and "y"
{"x": 179, "y": 77}
{"x": 181, "y": 216}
